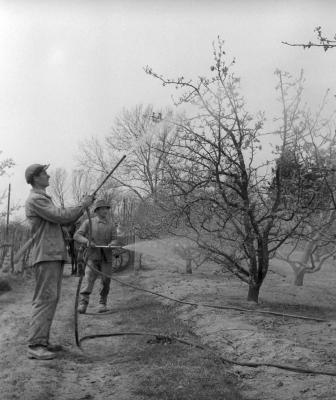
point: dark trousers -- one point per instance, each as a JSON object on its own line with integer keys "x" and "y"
{"x": 48, "y": 280}
{"x": 90, "y": 278}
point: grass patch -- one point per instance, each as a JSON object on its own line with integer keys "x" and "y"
{"x": 176, "y": 371}
{"x": 190, "y": 377}
{"x": 4, "y": 286}
{"x": 157, "y": 369}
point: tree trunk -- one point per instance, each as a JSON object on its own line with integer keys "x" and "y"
{"x": 253, "y": 292}
{"x": 258, "y": 269}
{"x": 188, "y": 266}
{"x": 137, "y": 262}
{"x": 299, "y": 275}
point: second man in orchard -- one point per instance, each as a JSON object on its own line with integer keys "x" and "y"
{"x": 103, "y": 233}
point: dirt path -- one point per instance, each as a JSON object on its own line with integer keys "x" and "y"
{"x": 73, "y": 375}
{"x": 264, "y": 338}
{"x": 123, "y": 368}
{"x": 120, "y": 368}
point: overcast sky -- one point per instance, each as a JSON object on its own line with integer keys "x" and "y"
{"x": 67, "y": 68}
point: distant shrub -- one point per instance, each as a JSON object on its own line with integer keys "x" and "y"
{"x": 4, "y": 286}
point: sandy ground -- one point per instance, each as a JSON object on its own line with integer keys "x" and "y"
{"x": 232, "y": 334}
{"x": 98, "y": 372}
{"x": 261, "y": 337}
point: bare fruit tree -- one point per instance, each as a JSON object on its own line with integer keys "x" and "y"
{"x": 5, "y": 247}
{"x": 307, "y": 166}
{"x": 235, "y": 204}
{"x": 148, "y": 142}
{"x": 323, "y": 41}
{"x": 135, "y": 133}
{"x": 146, "y": 139}
{"x": 5, "y": 165}
{"x": 59, "y": 186}
{"x": 81, "y": 184}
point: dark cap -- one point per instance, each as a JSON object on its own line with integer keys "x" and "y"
{"x": 101, "y": 204}
{"x": 34, "y": 170}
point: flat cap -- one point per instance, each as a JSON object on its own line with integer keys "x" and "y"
{"x": 34, "y": 170}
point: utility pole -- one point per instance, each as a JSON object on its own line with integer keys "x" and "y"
{"x": 6, "y": 261}
{"x": 8, "y": 207}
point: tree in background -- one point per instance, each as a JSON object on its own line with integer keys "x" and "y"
{"x": 146, "y": 143}
{"x": 308, "y": 173}
{"x": 5, "y": 165}
{"x": 146, "y": 139}
{"x": 221, "y": 188}
{"x": 5, "y": 233}
{"x": 311, "y": 261}
{"x": 313, "y": 246}
{"x": 322, "y": 41}
{"x": 81, "y": 184}
{"x": 58, "y": 187}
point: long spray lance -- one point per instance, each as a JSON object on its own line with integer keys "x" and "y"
{"x": 108, "y": 175}
{"x": 96, "y": 191}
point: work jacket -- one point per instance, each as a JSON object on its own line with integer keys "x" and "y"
{"x": 103, "y": 232}
{"x": 45, "y": 221}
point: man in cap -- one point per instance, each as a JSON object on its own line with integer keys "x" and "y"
{"x": 48, "y": 254}
{"x": 103, "y": 233}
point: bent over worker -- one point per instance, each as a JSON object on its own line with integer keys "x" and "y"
{"x": 48, "y": 254}
{"x": 104, "y": 233}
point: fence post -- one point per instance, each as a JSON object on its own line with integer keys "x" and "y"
{"x": 136, "y": 255}
{"x": 7, "y": 260}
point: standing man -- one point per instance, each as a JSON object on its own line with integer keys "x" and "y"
{"x": 104, "y": 233}
{"x": 48, "y": 256}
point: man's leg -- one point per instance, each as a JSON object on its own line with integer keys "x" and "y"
{"x": 89, "y": 280}
{"x": 48, "y": 276}
{"x": 106, "y": 268}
